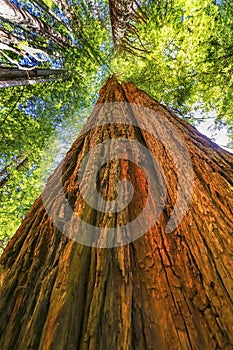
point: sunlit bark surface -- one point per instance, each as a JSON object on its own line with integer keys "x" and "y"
{"x": 162, "y": 291}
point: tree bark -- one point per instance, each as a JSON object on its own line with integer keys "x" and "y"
{"x": 17, "y": 77}
{"x": 161, "y": 291}
{"x": 6, "y": 176}
{"x": 122, "y": 13}
{"x": 42, "y": 5}
{"x": 66, "y": 8}
{"x": 17, "y": 15}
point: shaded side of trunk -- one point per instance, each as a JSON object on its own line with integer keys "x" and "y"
{"x": 162, "y": 291}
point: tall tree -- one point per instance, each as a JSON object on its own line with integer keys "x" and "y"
{"x": 185, "y": 57}
{"x": 17, "y": 77}
{"x": 9, "y": 42}
{"x": 122, "y": 14}
{"x": 29, "y": 116}
{"x": 42, "y": 5}
{"x": 161, "y": 291}
{"x": 191, "y": 40}
{"x": 14, "y": 14}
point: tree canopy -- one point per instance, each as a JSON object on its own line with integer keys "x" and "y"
{"x": 178, "y": 51}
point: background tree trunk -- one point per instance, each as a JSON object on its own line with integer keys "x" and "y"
{"x": 42, "y": 5}
{"x": 123, "y": 13}
{"x": 162, "y": 291}
{"x": 18, "y": 77}
{"x": 14, "y": 14}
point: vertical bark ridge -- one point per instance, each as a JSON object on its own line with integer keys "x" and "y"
{"x": 162, "y": 291}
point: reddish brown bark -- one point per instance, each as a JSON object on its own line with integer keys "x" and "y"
{"x": 162, "y": 291}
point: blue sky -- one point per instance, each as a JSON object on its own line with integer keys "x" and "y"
{"x": 218, "y": 136}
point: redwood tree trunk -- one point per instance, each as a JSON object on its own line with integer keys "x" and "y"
{"x": 161, "y": 291}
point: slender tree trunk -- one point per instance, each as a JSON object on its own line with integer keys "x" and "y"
{"x": 15, "y": 77}
{"x": 13, "y": 42}
{"x": 94, "y": 8}
{"x": 24, "y": 82}
{"x": 161, "y": 291}
{"x": 66, "y": 8}
{"x": 10, "y": 42}
{"x": 7, "y": 175}
{"x": 41, "y": 4}
{"x": 17, "y": 15}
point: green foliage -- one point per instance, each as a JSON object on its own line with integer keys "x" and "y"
{"x": 25, "y": 130}
{"x": 187, "y": 59}
{"x": 30, "y": 115}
